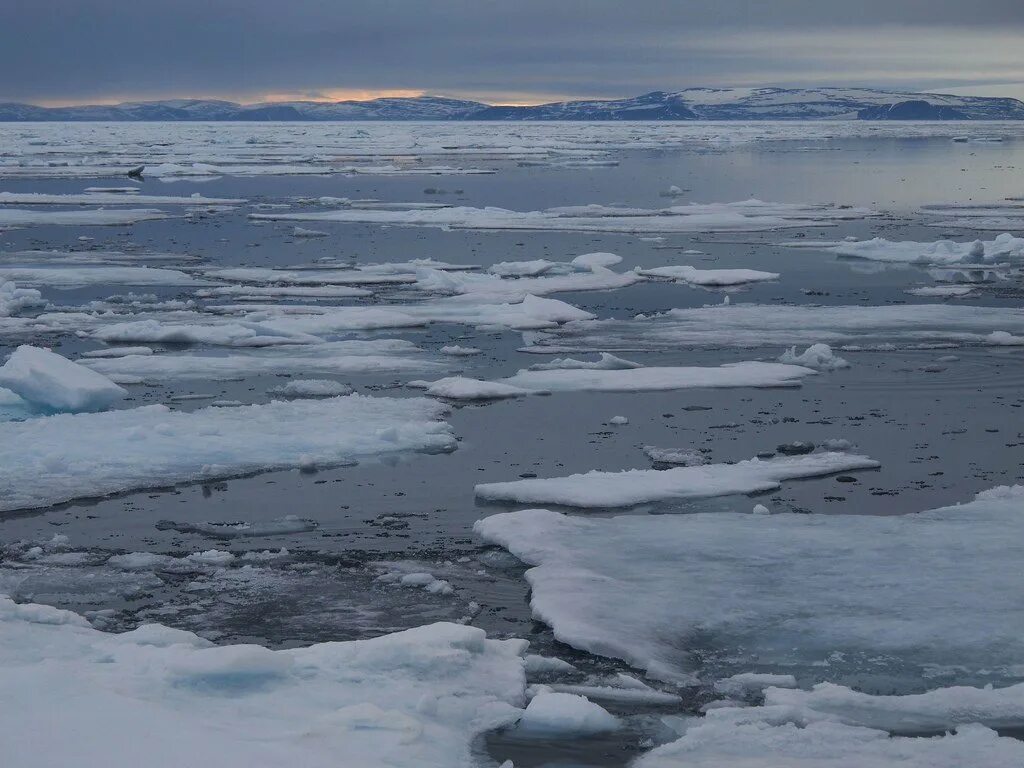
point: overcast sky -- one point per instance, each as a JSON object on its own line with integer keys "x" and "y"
{"x": 512, "y": 51}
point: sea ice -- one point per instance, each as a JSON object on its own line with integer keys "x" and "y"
{"x": 600, "y": 379}
{"x": 565, "y": 714}
{"x": 45, "y": 379}
{"x": 155, "y": 446}
{"x": 417, "y": 698}
{"x": 885, "y": 603}
{"x": 820, "y": 357}
{"x": 638, "y": 486}
{"x": 329, "y": 358}
{"x": 709, "y": 278}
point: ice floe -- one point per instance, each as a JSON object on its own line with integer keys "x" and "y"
{"x": 110, "y": 198}
{"x": 414, "y": 698}
{"x": 709, "y": 278}
{"x": 820, "y": 357}
{"x": 638, "y": 486}
{"x": 21, "y": 217}
{"x": 154, "y": 446}
{"x": 47, "y": 380}
{"x": 335, "y": 357}
{"x": 712, "y": 742}
{"x": 78, "y": 277}
{"x": 888, "y": 604}
{"x": 597, "y": 378}
{"x": 14, "y": 299}
{"x": 743, "y": 216}
{"x": 564, "y": 714}
{"x": 1004, "y": 249}
{"x": 758, "y": 325}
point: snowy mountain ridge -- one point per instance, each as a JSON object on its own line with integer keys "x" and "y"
{"x": 686, "y": 104}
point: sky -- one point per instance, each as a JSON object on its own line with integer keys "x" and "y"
{"x": 500, "y": 51}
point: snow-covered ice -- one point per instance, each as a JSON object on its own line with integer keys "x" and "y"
{"x": 21, "y": 217}
{"x": 565, "y": 714}
{"x": 820, "y": 357}
{"x": 889, "y": 604}
{"x": 709, "y": 278}
{"x": 154, "y": 446}
{"x": 78, "y": 277}
{"x": 742, "y": 216}
{"x": 49, "y": 381}
{"x": 335, "y": 357}
{"x": 415, "y": 698}
{"x": 638, "y": 486}
{"x": 598, "y": 378}
{"x": 758, "y": 325}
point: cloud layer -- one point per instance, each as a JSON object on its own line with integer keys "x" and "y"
{"x": 88, "y": 50}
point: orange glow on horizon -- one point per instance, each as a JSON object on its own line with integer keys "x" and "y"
{"x": 325, "y": 95}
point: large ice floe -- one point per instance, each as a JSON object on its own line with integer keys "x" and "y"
{"x": 21, "y": 217}
{"x": 620, "y": 379}
{"x": 354, "y": 356}
{"x": 714, "y": 742}
{"x": 44, "y": 379}
{"x": 638, "y": 486}
{"x": 155, "y": 446}
{"x": 417, "y": 698}
{"x": 742, "y": 216}
{"x": 758, "y": 325}
{"x": 1004, "y": 249}
{"x": 111, "y": 198}
{"x": 888, "y": 604}
{"x": 83, "y": 276}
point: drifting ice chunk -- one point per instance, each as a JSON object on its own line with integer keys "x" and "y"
{"x": 58, "y": 458}
{"x": 414, "y": 699}
{"x": 820, "y": 357}
{"x": 605, "y": 363}
{"x": 521, "y": 268}
{"x": 753, "y": 682}
{"x": 312, "y": 388}
{"x": 678, "y": 457}
{"x": 565, "y": 715}
{"x": 710, "y": 278}
{"x": 458, "y": 351}
{"x": 746, "y": 374}
{"x": 461, "y": 388}
{"x": 638, "y": 486}
{"x": 599, "y": 259}
{"x": 883, "y": 603}
{"x": 46, "y": 379}
{"x": 118, "y": 352}
{"x": 14, "y": 299}
{"x": 303, "y": 232}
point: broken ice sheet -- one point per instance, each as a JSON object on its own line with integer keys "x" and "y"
{"x": 152, "y": 446}
{"x": 885, "y": 604}
{"x": 758, "y": 325}
{"x": 416, "y": 698}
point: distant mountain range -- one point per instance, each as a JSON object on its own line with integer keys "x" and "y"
{"x": 688, "y": 104}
